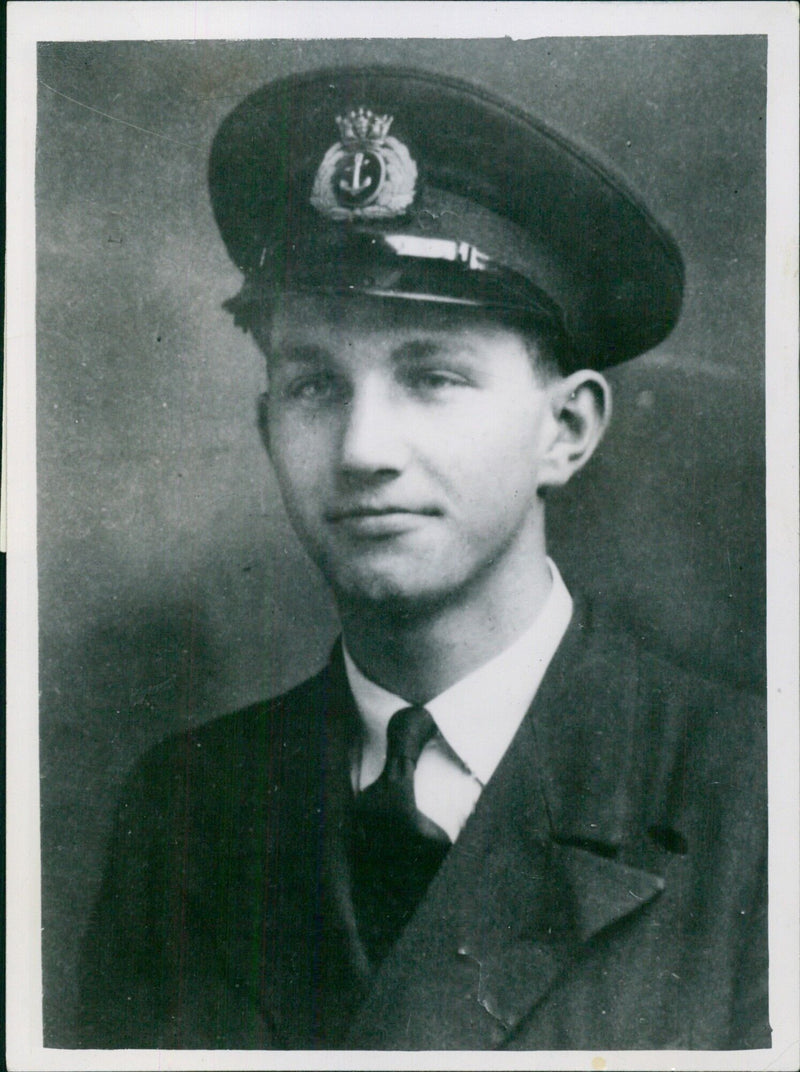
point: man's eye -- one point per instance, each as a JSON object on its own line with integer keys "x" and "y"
{"x": 313, "y": 388}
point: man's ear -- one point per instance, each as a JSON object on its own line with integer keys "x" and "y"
{"x": 580, "y": 409}
{"x": 263, "y": 419}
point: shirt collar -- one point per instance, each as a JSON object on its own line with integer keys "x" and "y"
{"x": 478, "y": 715}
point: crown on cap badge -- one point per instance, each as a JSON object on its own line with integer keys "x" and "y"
{"x": 367, "y": 174}
{"x": 363, "y": 126}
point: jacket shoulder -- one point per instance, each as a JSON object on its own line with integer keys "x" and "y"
{"x": 235, "y": 752}
{"x": 681, "y": 731}
{"x": 663, "y": 678}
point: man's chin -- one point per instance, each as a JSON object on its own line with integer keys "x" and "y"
{"x": 386, "y": 593}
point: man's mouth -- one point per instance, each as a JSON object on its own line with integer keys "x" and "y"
{"x": 378, "y": 522}
{"x": 358, "y": 511}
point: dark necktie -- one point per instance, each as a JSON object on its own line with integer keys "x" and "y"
{"x": 396, "y": 849}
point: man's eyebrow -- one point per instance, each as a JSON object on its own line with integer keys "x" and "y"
{"x": 420, "y": 349}
{"x": 298, "y": 353}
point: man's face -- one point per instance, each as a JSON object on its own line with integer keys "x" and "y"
{"x": 406, "y": 440}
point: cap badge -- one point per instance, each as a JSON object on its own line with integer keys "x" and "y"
{"x": 367, "y": 174}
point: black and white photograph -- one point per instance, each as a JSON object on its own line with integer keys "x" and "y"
{"x": 401, "y": 523}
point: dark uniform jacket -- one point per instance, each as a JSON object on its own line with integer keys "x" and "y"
{"x": 608, "y": 891}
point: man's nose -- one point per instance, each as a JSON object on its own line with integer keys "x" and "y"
{"x": 373, "y": 435}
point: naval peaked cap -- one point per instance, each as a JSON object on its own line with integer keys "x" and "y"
{"x": 405, "y": 184}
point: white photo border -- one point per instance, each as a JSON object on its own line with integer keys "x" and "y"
{"x": 29, "y": 23}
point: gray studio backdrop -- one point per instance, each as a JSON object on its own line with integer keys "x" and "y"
{"x": 170, "y": 586}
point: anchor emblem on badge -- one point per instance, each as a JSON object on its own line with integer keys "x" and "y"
{"x": 367, "y": 174}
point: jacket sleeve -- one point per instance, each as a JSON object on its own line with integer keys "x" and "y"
{"x": 150, "y": 977}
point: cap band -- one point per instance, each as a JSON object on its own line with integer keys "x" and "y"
{"x": 442, "y": 249}
{"x": 358, "y": 260}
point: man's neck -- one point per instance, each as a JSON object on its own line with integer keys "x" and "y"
{"x": 419, "y": 654}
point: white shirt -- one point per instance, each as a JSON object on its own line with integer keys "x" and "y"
{"x": 476, "y": 718}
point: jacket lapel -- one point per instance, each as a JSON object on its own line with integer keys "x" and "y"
{"x": 548, "y": 859}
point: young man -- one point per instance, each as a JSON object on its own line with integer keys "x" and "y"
{"x": 494, "y": 820}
